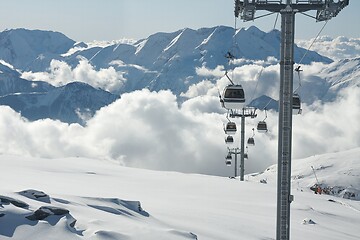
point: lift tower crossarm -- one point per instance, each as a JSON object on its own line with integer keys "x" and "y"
{"x": 325, "y": 10}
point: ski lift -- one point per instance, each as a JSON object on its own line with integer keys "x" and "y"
{"x": 230, "y": 128}
{"x": 251, "y": 141}
{"x": 228, "y": 159}
{"x": 229, "y": 140}
{"x": 233, "y": 97}
{"x": 296, "y": 104}
{"x": 228, "y": 162}
{"x": 246, "y": 156}
{"x": 262, "y": 126}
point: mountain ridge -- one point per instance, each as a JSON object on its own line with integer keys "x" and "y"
{"x": 161, "y": 61}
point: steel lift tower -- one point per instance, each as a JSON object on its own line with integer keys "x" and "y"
{"x": 325, "y": 10}
{"x": 243, "y": 113}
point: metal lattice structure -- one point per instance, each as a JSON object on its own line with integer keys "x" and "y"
{"x": 243, "y": 113}
{"x": 325, "y": 10}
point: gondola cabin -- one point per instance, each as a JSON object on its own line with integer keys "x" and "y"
{"x": 262, "y": 127}
{"x": 251, "y": 141}
{"x": 228, "y": 159}
{"x": 228, "y": 162}
{"x": 230, "y": 128}
{"x": 233, "y": 97}
{"x": 246, "y": 156}
{"x": 296, "y": 104}
{"x": 229, "y": 140}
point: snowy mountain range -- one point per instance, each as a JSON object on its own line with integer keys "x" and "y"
{"x": 161, "y": 61}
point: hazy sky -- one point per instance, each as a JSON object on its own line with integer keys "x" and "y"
{"x": 87, "y": 20}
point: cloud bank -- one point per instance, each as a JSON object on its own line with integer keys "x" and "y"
{"x": 334, "y": 48}
{"x": 60, "y": 73}
{"x": 150, "y": 130}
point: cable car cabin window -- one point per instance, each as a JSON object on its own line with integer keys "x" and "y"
{"x": 234, "y": 92}
{"x": 230, "y": 128}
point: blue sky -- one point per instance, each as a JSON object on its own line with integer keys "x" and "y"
{"x": 86, "y": 20}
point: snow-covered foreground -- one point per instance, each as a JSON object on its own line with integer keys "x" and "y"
{"x": 78, "y": 198}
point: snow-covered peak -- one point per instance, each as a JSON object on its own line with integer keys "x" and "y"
{"x": 20, "y": 47}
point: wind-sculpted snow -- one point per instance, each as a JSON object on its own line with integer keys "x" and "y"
{"x": 94, "y": 199}
{"x": 55, "y": 218}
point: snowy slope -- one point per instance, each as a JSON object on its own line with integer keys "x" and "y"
{"x": 338, "y": 173}
{"x": 341, "y": 74}
{"x": 80, "y": 198}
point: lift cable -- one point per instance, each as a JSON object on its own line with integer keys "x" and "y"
{"x": 277, "y": 16}
{"x": 229, "y": 55}
{"x": 257, "y": 83}
{"x": 262, "y": 69}
{"x": 298, "y": 70}
{"x": 312, "y": 43}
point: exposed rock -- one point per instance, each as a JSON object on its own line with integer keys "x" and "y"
{"x": 55, "y": 210}
{"x": 39, "y": 214}
{"x": 13, "y": 201}
{"x": 45, "y": 211}
{"x": 36, "y": 195}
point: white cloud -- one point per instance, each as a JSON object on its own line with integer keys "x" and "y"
{"x": 200, "y": 89}
{"x": 205, "y": 72}
{"x": 334, "y": 48}
{"x": 60, "y": 73}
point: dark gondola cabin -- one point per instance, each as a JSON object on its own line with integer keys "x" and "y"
{"x": 228, "y": 162}
{"x": 229, "y": 140}
{"x": 233, "y": 97}
{"x": 251, "y": 141}
{"x": 230, "y": 128}
{"x": 262, "y": 127}
{"x": 228, "y": 159}
{"x": 296, "y": 105}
